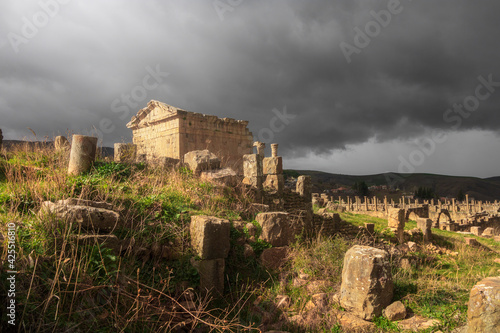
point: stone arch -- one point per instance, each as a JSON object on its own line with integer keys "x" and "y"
{"x": 444, "y": 212}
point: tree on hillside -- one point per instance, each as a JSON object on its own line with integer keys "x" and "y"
{"x": 461, "y": 195}
{"x": 425, "y": 193}
{"x": 361, "y": 188}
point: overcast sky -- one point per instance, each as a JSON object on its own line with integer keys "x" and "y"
{"x": 352, "y": 87}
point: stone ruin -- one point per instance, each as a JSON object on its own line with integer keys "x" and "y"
{"x": 470, "y": 216}
{"x": 164, "y": 131}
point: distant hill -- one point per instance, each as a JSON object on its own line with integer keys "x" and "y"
{"x": 10, "y": 144}
{"x": 444, "y": 186}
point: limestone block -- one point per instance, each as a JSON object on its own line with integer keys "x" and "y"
{"x": 83, "y": 150}
{"x": 304, "y": 187}
{"x": 395, "y": 311}
{"x": 125, "y": 152}
{"x": 273, "y": 165}
{"x": 226, "y": 176}
{"x": 210, "y": 236}
{"x": 471, "y": 241}
{"x": 274, "y": 257}
{"x": 252, "y": 165}
{"x": 253, "y": 181}
{"x": 276, "y": 228}
{"x": 367, "y": 285}
{"x": 199, "y": 160}
{"x": 211, "y": 276}
{"x": 275, "y": 182}
{"x": 88, "y": 215}
{"x": 61, "y": 143}
{"x": 396, "y": 221}
{"x": 483, "y": 314}
{"x": 476, "y": 230}
{"x": 370, "y": 227}
{"x": 426, "y": 226}
{"x": 488, "y": 232}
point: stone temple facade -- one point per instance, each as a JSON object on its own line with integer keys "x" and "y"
{"x": 161, "y": 130}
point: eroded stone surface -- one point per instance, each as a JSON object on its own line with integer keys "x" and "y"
{"x": 483, "y": 314}
{"x": 82, "y": 155}
{"x": 200, "y": 160}
{"x": 395, "y": 311}
{"x": 367, "y": 285}
{"x": 276, "y": 228}
{"x": 210, "y": 236}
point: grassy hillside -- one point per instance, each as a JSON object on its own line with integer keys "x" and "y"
{"x": 480, "y": 189}
{"x": 68, "y": 286}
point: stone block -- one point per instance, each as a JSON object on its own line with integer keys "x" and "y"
{"x": 226, "y": 176}
{"x": 274, "y": 257}
{"x": 273, "y": 165}
{"x": 256, "y": 182}
{"x": 395, "y": 311}
{"x": 425, "y": 225}
{"x": 483, "y": 314}
{"x": 488, "y": 232}
{"x": 471, "y": 241}
{"x": 125, "y": 152}
{"x": 396, "y": 221}
{"x": 276, "y": 228}
{"x": 367, "y": 285}
{"x": 275, "y": 182}
{"x": 199, "y": 160}
{"x": 304, "y": 187}
{"x": 210, "y": 236}
{"x": 252, "y": 165}
{"x": 476, "y": 231}
{"x": 211, "y": 276}
{"x": 370, "y": 227}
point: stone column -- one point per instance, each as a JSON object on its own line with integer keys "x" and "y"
{"x": 375, "y": 203}
{"x": 304, "y": 187}
{"x": 273, "y": 173}
{"x": 274, "y": 149}
{"x": 453, "y": 207}
{"x": 366, "y": 203}
{"x": 385, "y": 203}
{"x": 396, "y": 221}
{"x": 83, "y": 149}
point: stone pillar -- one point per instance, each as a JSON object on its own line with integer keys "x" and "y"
{"x": 425, "y": 225}
{"x": 385, "y": 203}
{"x": 274, "y": 150}
{"x": 273, "y": 173}
{"x": 366, "y": 203}
{"x": 83, "y": 149}
{"x": 125, "y": 152}
{"x": 375, "y": 203}
{"x": 453, "y": 207}
{"x": 253, "y": 171}
{"x": 304, "y": 187}
{"x": 211, "y": 241}
{"x": 432, "y": 202}
{"x": 467, "y": 203}
{"x": 61, "y": 143}
{"x": 396, "y": 221}
{"x": 370, "y": 227}
{"x": 260, "y": 148}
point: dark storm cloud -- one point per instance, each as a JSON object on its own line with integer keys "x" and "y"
{"x": 262, "y": 56}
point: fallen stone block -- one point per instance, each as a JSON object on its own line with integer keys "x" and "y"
{"x": 275, "y": 257}
{"x": 200, "y": 160}
{"x": 395, "y": 311}
{"x": 367, "y": 285}
{"x": 476, "y": 231}
{"x": 89, "y": 215}
{"x": 276, "y": 228}
{"x": 483, "y": 314}
{"x": 226, "y": 176}
{"x": 488, "y": 232}
{"x": 471, "y": 241}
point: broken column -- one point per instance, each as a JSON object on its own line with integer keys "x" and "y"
{"x": 210, "y": 240}
{"x": 125, "y": 152}
{"x": 83, "y": 150}
{"x": 261, "y": 146}
{"x": 273, "y": 170}
{"x": 396, "y": 221}
{"x": 304, "y": 189}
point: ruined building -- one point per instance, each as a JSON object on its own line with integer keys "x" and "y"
{"x": 161, "y": 130}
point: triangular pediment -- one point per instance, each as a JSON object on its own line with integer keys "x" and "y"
{"x": 154, "y": 112}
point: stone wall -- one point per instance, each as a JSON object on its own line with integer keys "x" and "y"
{"x": 161, "y": 130}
